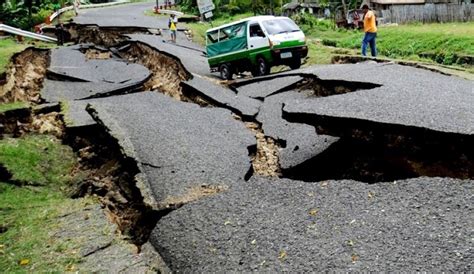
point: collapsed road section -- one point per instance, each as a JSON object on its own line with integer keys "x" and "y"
{"x": 178, "y": 174}
{"x": 419, "y": 133}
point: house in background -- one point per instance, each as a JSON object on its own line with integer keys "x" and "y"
{"x": 301, "y": 7}
{"x": 425, "y": 11}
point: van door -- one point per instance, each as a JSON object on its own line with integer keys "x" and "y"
{"x": 257, "y": 38}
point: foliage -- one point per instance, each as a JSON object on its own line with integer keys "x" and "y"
{"x": 443, "y": 43}
{"x": 199, "y": 29}
{"x": 25, "y": 14}
{"x": 308, "y": 22}
{"x": 234, "y": 7}
{"x": 447, "y": 43}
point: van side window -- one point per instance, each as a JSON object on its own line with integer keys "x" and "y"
{"x": 212, "y": 37}
{"x": 235, "y": 31}
{"x": 256, "y": 31}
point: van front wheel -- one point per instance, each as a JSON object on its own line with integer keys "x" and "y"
{"x": 226, "y": 72}
{"x": 262, "y": 67}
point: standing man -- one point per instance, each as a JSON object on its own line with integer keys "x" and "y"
{"x": 173, "y": 21}
{"x": 370, "y": 30}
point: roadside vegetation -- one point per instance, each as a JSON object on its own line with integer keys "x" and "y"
{"x": 446, "y": 44}
{"x": 31, "y": 202}
{"x": 10, "y": 46}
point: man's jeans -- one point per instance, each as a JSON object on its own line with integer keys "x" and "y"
{"x": 369, "y": 38}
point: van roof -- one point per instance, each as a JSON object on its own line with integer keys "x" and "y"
{"x": 253, "y": 18}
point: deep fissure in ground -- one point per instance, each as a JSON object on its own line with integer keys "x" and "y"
{"x": 360, "y": 155}
{"x": 375, "y": 152}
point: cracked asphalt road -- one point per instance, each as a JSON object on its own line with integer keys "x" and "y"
{"x": 276, "y": 224}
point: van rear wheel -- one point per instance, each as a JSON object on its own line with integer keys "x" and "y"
{"x": 262, "y": 67}
{"x": 295, "y": 62}
{"x": 226, "y": 72}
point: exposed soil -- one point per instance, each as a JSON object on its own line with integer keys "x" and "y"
{"x": 167, "y": 72}
{"x": 373, "y": 152}
{"x": 19, "y": 122}
{"x": 265, "y": 156}
{"x": 321, "y": 88}
{"x": 111, "y": 176}
{"x": 96, "y": 54}
{"x": 193, "y": 194}
{"x": 24, "y": 76}
{"x": 100, "y": 36}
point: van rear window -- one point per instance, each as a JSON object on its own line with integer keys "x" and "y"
{"x": 276, "y": 26}
{"x": 230, "y": 32}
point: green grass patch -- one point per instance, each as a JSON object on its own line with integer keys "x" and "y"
{"x": 29, "y": 214}
{"x": 9, "y": 47}
{"x": 445, "y": 43}
{"x": 65, "y": 17}
{"x": 38, "y": 159}
{"x": 12, "y": 106}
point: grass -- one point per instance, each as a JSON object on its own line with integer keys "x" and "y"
{"x": 434, "y": 43}
{"x": 36, "y": 159}
{"x": 65, "y": 17}
{"x": 9, "y": 47}
{"x": 29, "y": 214}
{"x": 442, "y": 43}
{"x": 12, "y": 106}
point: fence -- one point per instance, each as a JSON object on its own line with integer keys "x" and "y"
{"x": 428, "y": 13}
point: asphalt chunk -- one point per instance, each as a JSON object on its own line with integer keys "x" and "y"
{"x": 262, "y": 88}
{"x": 72, "y": 62}
{"x": 300, "y": 141}
{"x": 284, "y": 225}
{"x": 221, "y": 97}
{"x": 178, "y": 145}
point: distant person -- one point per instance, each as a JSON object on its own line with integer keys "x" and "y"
{"x": 172, "y": 23}
{"x": 370, "y": 30}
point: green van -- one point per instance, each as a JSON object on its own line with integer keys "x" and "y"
{"x": 255, "y": 44}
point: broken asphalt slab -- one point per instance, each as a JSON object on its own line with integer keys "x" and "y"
{"x": 300, "y": 140}
{"x": 260, "y": 88}
{"x": 220, "y": 96}
{"x": 422, "y": 224}
{"x": 55, "y": 91}
{"x": 177, "y": 145}
{"x": 74, "y": 77}
{"x": 71, "y": 63}
{"x": 408, "y": 97}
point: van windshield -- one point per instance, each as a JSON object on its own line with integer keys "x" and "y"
{"x": 276, "y": 26}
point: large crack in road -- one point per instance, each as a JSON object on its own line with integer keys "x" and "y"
{"x": 128, "y": 178}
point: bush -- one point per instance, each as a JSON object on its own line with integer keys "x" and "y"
{"x": 40, "y": 16}
{"x": 329, "y": 43}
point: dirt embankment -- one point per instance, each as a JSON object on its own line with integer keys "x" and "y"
{"x": 24, "y": 77}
